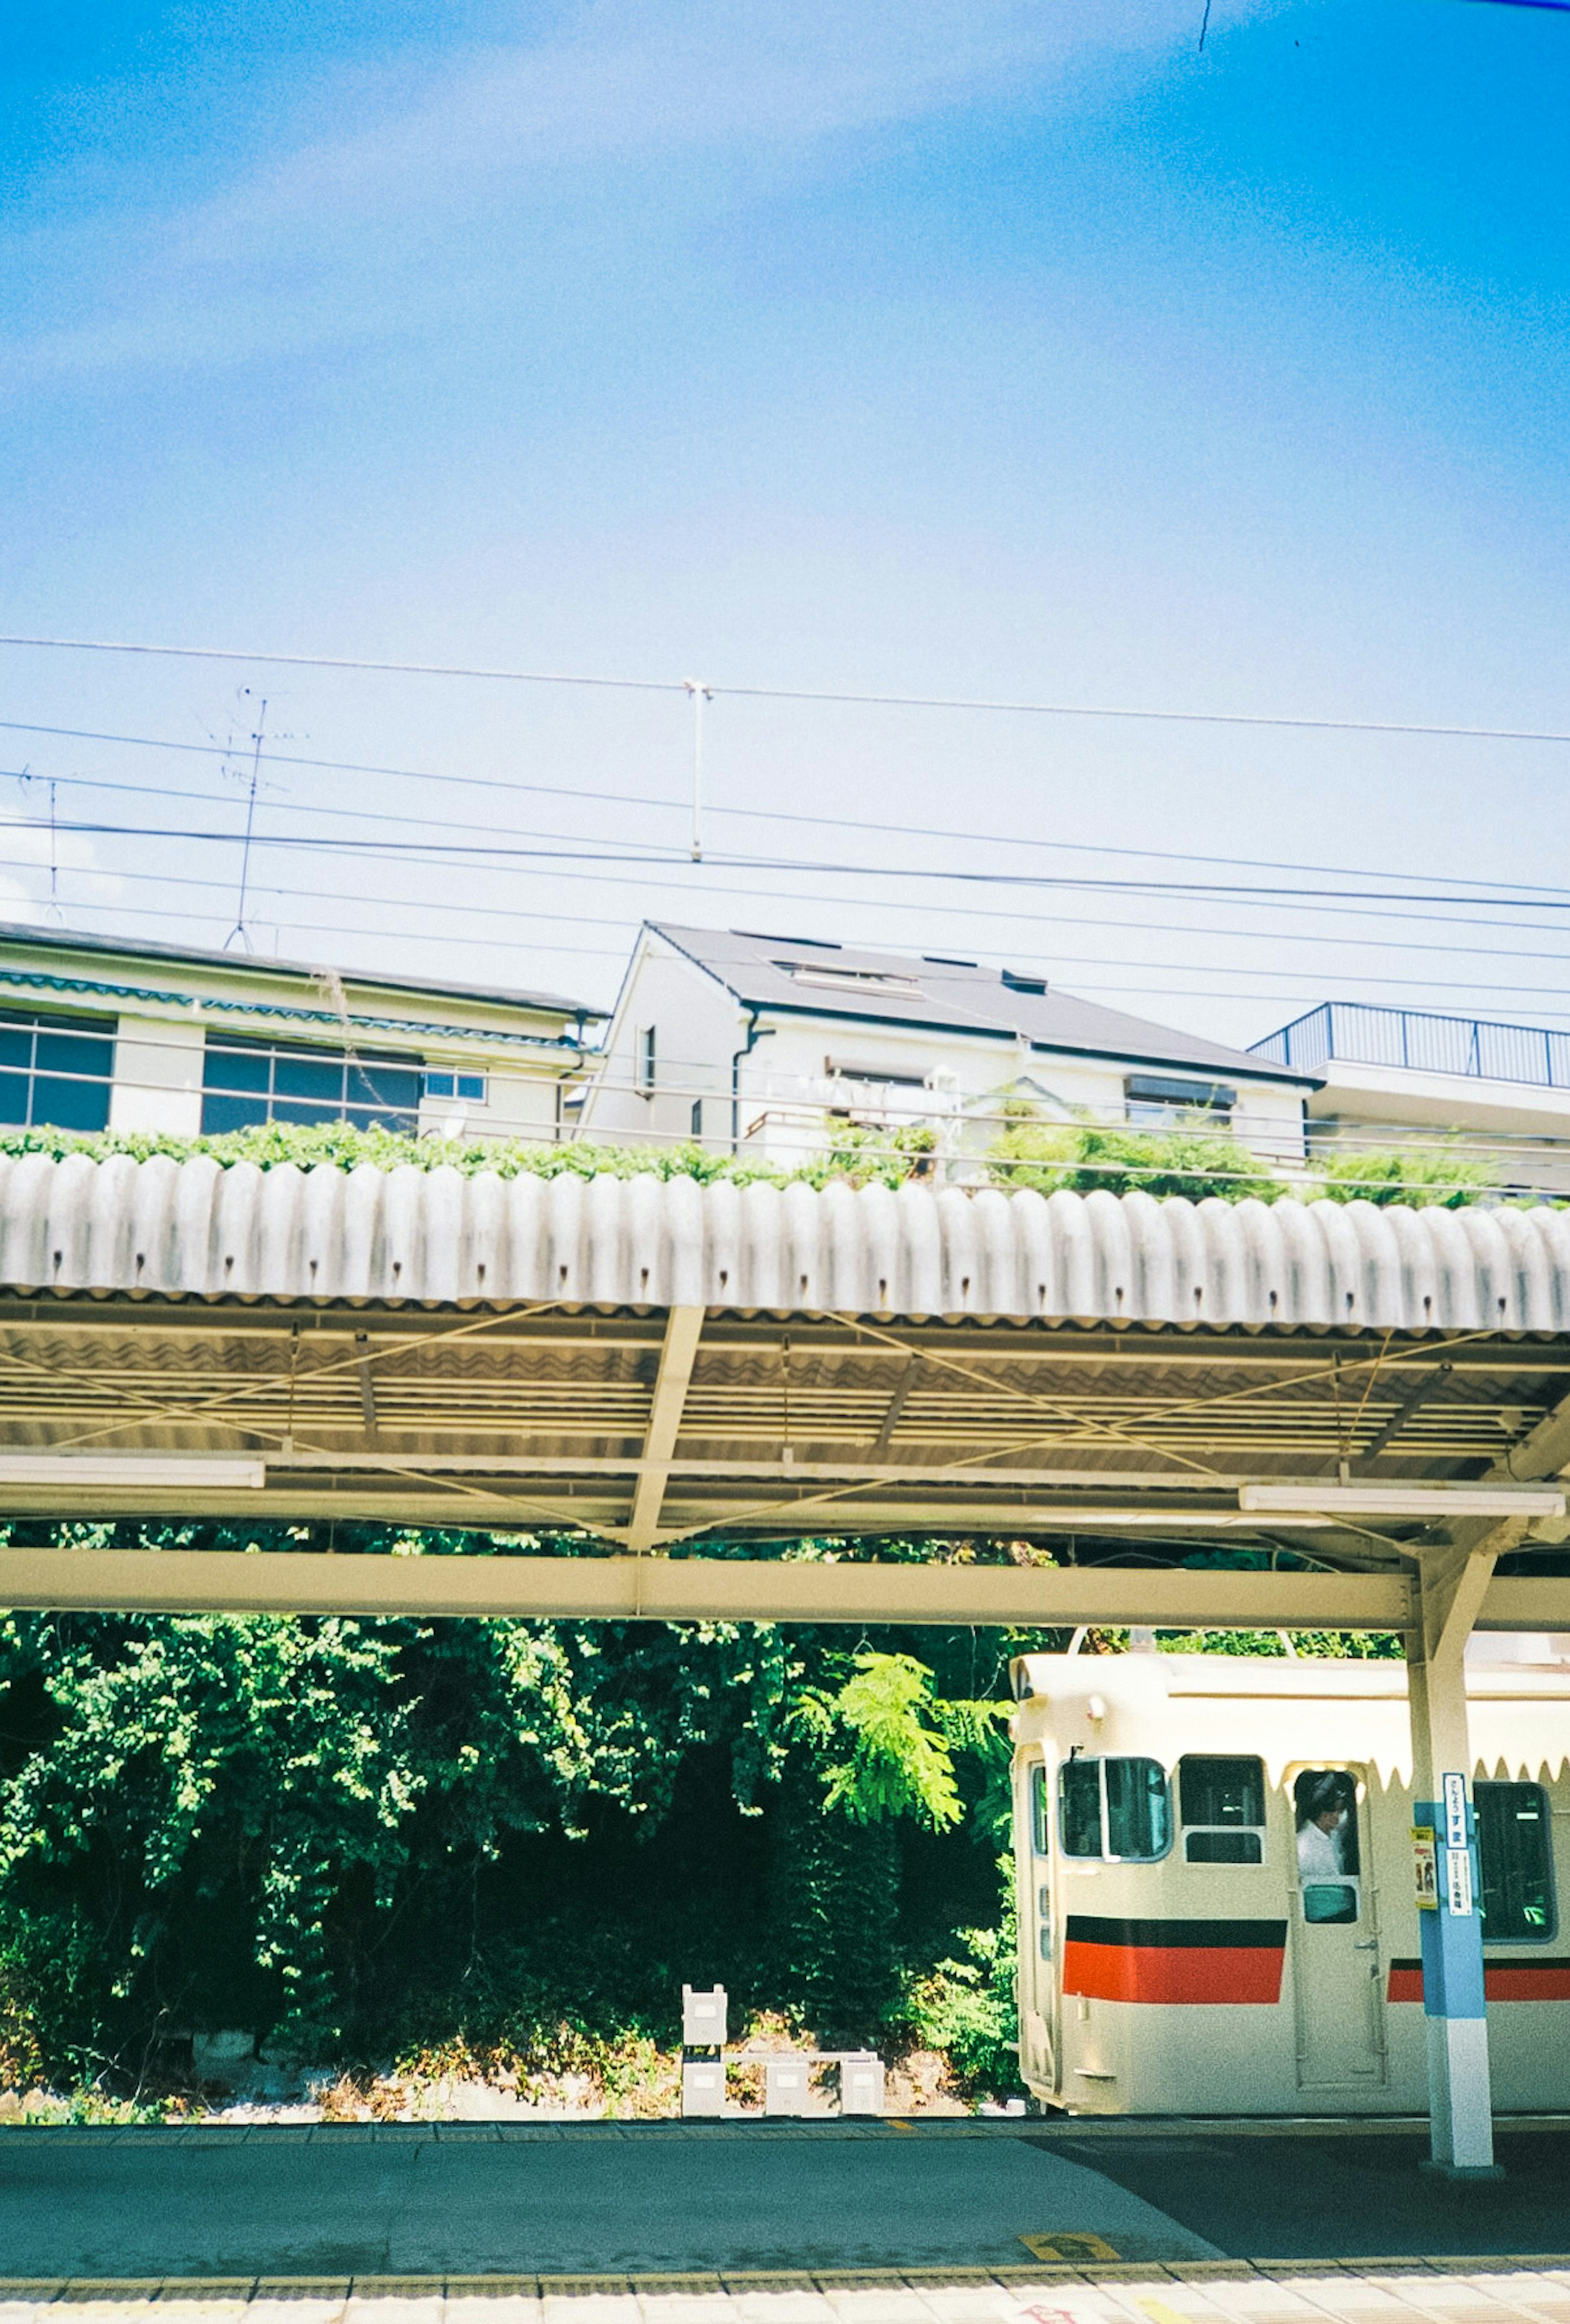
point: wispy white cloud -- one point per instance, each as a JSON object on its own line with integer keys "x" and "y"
{"x": 339, "y": 235}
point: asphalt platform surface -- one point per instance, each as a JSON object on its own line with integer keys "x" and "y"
{"x": 339, "y": 2203}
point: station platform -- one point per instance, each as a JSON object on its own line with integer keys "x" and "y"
{"x": 738, "y": 2203}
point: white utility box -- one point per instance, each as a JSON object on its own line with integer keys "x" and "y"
{"x": 861, "y": 2083}
{"x": 703, "y": 2087}
{"x": 785, "y": 2084}
{"x": 702, "y": 2017}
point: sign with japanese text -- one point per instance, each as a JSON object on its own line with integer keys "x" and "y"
{"x": 1425, "y": 1867}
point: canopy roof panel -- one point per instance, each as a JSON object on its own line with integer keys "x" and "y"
{"x": 192, "y": 1229}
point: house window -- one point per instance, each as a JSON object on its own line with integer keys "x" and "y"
{"x": 58, "y": 1070}
{"x": 1162, "y": 1102}
{"x": 1119, "y": 1809}
{"x": 698, "y": 1117}
{"x": 247, "y": 1081}
{"x": 471, "y": 1086}
{"x": 1222, "y": 1806}
{"x": 1515, "y": 1852}
{"x": 644, "y": 1060}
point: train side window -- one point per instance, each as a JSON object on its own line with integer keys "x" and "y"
{"x": 1079, "y": 1807}
{"x": 1040, "y": 1836}
{"x": 1222, "y": 1806}
{"x": 1325, "y": 1809}
{"x": 1138, "y": 1810}
{"x": 1516, "y": 1855}
{"x": 1119, "y": 1809}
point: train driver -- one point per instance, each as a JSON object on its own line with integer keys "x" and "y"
{"x": 1323, "y": 1806}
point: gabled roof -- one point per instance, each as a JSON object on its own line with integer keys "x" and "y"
{"x": 806, "y": 976}
{"x": 18, "y": 935}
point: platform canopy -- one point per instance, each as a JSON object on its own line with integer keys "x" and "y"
{"x": 1115, "y": 1387}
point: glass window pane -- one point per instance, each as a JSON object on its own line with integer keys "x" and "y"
{"x": 1516, "y": 1855}
{"x": 1040, "y": 1838}
{"x": 1079, "y": 1806}
{"x": 71, "y": 1105}
{"x": 236, "y": 1069}
{"x": 438, "y": 1085}
{"x": 1222, "y": 1791}
{"x": 1223, "y": 1848}
{"x": 388, "y": 1088}
{"x": 75, "y": 1053}
{"x": 1139, "y": 1809}
{"x": 306, "y": 1110}
{"x": 15, "y": 1090}
{"x": 1330, "y": 1901}
{"x": 473, "y": 1086}
{"x": 320, "y": 1079}
{"x": 221, "y": 1112}
{"x": 16, "y": 1046}
{"x": 1324, "y": 1805}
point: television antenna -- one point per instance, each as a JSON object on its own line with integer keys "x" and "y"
{"x": 257, "y": 706}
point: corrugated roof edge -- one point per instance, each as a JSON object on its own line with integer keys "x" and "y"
{"x": 194, "y": 1228}
{"x": 17, "y": 933}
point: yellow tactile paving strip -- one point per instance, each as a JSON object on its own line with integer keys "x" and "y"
{"x": 1499, "y": 2289}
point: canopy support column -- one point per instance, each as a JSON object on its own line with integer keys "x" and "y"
{"x": 1452, "y": 1582}
{"x": 683, "y": 1330}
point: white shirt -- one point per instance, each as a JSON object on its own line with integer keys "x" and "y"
{"x": 1319, "y": 1852}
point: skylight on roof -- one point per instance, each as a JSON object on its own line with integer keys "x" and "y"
{"x": 850, "y": 980}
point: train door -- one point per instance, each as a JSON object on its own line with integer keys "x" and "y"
{"x": 1038, "y": 2009}
{"x": 1335, "y": 1959}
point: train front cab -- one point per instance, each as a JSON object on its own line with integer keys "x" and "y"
{"x": 1217, "y": 1907}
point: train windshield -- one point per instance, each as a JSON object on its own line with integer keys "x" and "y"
{"x": 1116, "y": 1809}
{"x": 1221, "y": 1803}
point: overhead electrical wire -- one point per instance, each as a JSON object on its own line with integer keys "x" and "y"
{"x": 969, "y": 911}
{"x": 831, "y": 694}
{"x": 663, "y": 857}
{"x": 752, "y": 815}
{"x": 445, "y": 934}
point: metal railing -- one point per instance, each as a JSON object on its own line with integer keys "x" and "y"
{"x": 1414, "y": 1041}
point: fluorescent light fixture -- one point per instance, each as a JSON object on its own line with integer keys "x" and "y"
{"x": 1403, "y": 1501}
{"x": 152, "y": 1471}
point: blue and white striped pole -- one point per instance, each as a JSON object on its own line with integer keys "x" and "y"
{"x": 1454, "y": 2011}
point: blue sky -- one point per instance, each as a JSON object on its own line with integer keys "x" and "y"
{"x": 997, "y": 348}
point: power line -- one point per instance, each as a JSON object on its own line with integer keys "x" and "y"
{"x": 1537, "y": 996}
{"x": 753, "y": 814}
{"x": 1005, "y": 705}
{"x": 969, "y": 911}
{"x": 662, "y": 858}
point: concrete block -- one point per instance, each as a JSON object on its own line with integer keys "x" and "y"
{"x": 703, "y": 2087}
{"x": 785, "y": 2079}
{"x": 702, "y": 2017}
{"x": 861, "y": 2084}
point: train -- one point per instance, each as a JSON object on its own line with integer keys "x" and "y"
{"x": 1215, "y": 1882}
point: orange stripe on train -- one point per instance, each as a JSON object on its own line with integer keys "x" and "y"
{"x": 1547, "y": 1980}
{"x": 1232, "y": 1973}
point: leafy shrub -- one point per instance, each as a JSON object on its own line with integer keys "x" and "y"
{"x": 968, "y": 2008}
{"x": 1080, "y": 1157}
{"x": 1418, "y": 1177}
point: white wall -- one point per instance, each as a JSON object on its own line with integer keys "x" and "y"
{"x": 158, "y": 1073}
{"x": 697, "y": 1028}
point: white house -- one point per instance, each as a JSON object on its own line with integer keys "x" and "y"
{"x": 98, "y": 1034}
{"x": 760, "y": 1042}
{"x": 1389, "y": 1075}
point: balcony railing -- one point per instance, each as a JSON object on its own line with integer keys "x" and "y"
{"x": 1413, "y": 1040}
